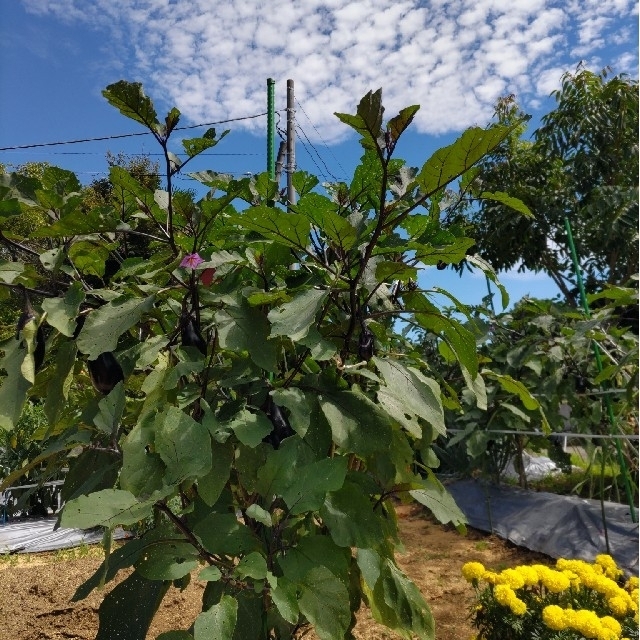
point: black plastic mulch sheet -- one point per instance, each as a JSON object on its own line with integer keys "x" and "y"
{"x": 558, "y": 526}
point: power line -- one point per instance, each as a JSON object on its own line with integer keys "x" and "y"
{"x": 97, "y": 153}
{"x": 126, "y": 135}
{"x": 301, "y": 130}
{"x": 323, "y": 142}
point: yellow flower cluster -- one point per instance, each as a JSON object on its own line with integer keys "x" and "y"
{"x": 506, "y": 596}
{"x": 596, "y": 576}
{"x": 568, "y": 580}
{"x": 519, "y": 577}
{"x": 585, "y": 622}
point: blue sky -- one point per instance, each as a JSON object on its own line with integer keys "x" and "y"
{"x": 212, "y": 61}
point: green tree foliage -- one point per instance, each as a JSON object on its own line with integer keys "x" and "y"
{"x": 547, "y": 347}
{"x": 582, "y": 163}
{"x": 242, "y": 380}
{"x": 101, "y": 191}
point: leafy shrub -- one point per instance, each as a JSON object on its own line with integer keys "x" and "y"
{"x": 255, "y": 421}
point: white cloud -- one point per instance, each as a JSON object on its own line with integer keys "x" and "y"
{"x": 212, "y": 59}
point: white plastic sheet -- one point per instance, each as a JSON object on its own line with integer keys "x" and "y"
{"x": 32, "y": 535}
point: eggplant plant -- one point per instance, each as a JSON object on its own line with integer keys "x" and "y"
{"x": 245, "y": 385}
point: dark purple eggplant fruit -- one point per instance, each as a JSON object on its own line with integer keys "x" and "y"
{"x": 281, "y": 427}
{"x": 105, "y": 372}
{"x": 38, "y": 354}
{"x": 441, "y": 266}
{"x": 366, "y": 344}
{"x": 191, "y": 336}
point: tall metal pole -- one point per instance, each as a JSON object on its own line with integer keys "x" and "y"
{"x": 291, "y": 144}
{"x": 271, "y": 127}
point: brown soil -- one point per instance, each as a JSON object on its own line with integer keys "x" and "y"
{"x": 35, "y": 590}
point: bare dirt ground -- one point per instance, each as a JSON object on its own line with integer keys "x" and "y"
{"x": 35, "y": 590}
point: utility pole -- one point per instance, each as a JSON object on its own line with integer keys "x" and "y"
{"x": 291, "y": 145}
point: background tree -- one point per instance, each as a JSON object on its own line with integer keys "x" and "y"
{"x": 547, "y": 347}
{"x": 582, "y": 163}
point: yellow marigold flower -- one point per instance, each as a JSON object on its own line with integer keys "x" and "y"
{"x": 518, "y": 607}
{"x": 554, "y": 581}
{"x": 554, "y": 617}
{"x": 612, "y": 624}
{"x": 633, "y": 596}
{"x": 574, "y": 579}
{"x": 491, "y": 577}
{"x": 609, "y": 565}
{"x": 512, "y": 578}
{"x": 618, "y": 605}
{"x": 503, "y": 594}
{"x": 529, "y": 575}
{"x": 586, "y": 622}
{"x": 583, "y": 570}
{"x": 473, "y": 571}
{"x": 632, "y": 583}
{"x": 606, "y": 586}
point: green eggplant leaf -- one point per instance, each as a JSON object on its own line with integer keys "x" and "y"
{"x": 290, "y": 229}
{"x": 110, "y": 409}
{"x": 13, "y": 392}
{"x": 11, "y": 271}
{"x": 223, "y": 533}
{"x": 515, "y": 203}
{"x": 410, "y": 390}
{"x": 194, "y": 146}
{"x": 303, "y": 487}
{"x": 62, "y": 312}
{"x": 142, "y": 469}
{"x": 184, "y": 446}
{"x": 439, "y": 501}
{"x": 322, "y": 213}
{"x": 324, "y": 601}
{"x": 449, "y": 163}
{"x": 397, "y": 603}
{"x": 294, "y": 319}
{"x": 168, "y": 560}
{"x": 253, "y": 566}
{"x": 105, "y": 508}
{"x": 250, "y": 428}
{"x": 349, "y": 516}
{"x": 244, "y": 328}
{"x": 459, "y": 338}
{"x": 358, "y": 424}
{"x": 101, "y": 220}
{"x": 105, "y": 325}
{"x": 210, "y": 486}
{"x": 218, "y": 621}
{"x": 131, "y": 101}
